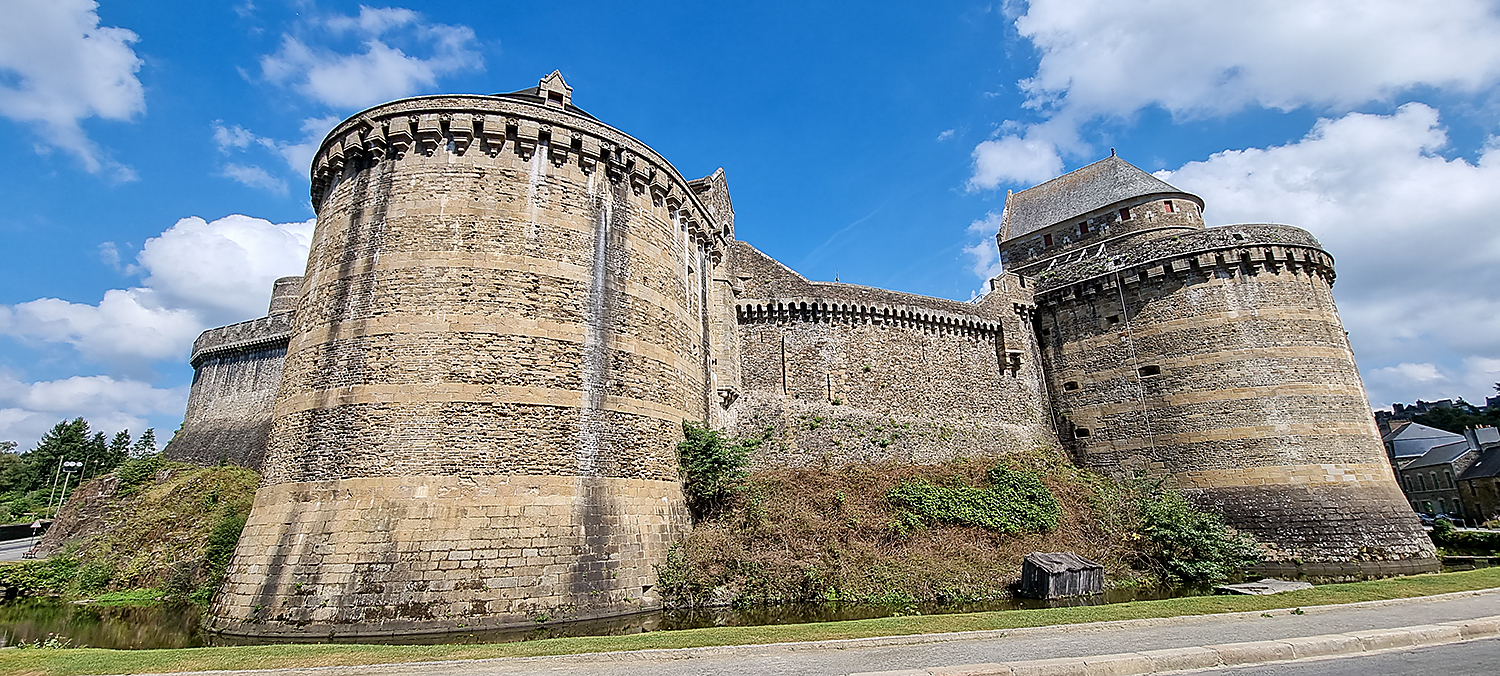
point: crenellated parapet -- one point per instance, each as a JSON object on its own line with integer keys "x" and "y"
{"x": 1243, "y": 249}
{"x": 514, "y": 123}
{"x": 825, "y": 311}
{"x": 271, "y": 331}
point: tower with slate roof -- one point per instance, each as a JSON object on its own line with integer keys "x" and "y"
{"x": 1213, "y": 359}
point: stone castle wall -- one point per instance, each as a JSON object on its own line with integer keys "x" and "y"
{"x": 1216, "y": 359}
{"x": 503, "y": 325}
{"x": 838, "y": 374}
{"x": 236, "y": 373}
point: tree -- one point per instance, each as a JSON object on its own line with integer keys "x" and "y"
{"x": 145, "y": 445}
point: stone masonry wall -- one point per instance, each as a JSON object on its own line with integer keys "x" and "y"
{"x": 497, "y": 293}
{"x": 838, "y": 374}
{"x": 471, "y": 552}
{"x": 1227, "y": 370}
{"x": 236, "y": 373}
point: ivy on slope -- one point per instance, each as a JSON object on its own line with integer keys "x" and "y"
{"x": 1011, "y": 502}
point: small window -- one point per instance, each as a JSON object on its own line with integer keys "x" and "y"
{"x": 1081, "y": 433}
{"x": 1083, "y": 228}
{"x": 1150, "y": 370}
{"x": 555, "y": 97}
{"x": 1046, "y": 332}
{"x": 1046, "y": 240}
{"x": 1125, "y": 214}
{"x": 1070, "y": 386}
{"x": 1170, "y": 209}
{"x": 1112, "y": 319}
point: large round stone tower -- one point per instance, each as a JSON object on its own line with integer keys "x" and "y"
{"x": 504, "y": 319}
{"x": 1213, "y": 358}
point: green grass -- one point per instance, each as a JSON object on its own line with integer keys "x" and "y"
{"x": 63, "y": 662}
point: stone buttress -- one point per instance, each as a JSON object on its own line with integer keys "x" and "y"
{"x": 504, "y": 320}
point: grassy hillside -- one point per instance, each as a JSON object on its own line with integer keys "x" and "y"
{"x": 898, "y": 533}
{"x": 149, "y": 529}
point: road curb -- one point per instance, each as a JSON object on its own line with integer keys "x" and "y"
{"x": 1226, "y": 654}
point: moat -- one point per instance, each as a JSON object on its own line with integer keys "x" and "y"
{"x": 178, "y": 625}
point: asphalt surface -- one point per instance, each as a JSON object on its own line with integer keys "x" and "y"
{"x": 11, "y": 550}
{"x": 843, "y": 657}
{"x": 1456, "y": 659}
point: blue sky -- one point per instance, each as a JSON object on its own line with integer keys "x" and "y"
{"x": 156, "y": 179}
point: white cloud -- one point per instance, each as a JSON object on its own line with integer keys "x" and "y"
{"x": 235, "y": 137}
{"x": 1412, "y": 232}
{"x": 985, "y": 253}
{"x": 126, "y": 324}
{"x": 58, "y": 67}
{"x": 254, "y": 177}
{"x": 382, "y": 70}
{"x": 945, "y": 135}
{"x": 1013, "y": 159}
{"x": 198, "y": 274}
{"x": 222, "y": 270}
{"x": 1104, "y": 59}
{"x": 28, "y": 410}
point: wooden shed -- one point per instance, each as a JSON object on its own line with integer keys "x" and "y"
{"x": 1058, "y": 574}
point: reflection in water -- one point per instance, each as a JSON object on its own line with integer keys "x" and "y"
{"x": 170, "y": 625}
{"x": 176, "y": 625}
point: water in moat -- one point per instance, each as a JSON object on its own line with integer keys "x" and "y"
{"x": 176, "y": 625}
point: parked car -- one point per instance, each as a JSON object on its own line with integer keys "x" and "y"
{"x": 1427, "y": 519}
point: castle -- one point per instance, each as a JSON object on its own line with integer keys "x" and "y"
{"x": 465, "y": 413}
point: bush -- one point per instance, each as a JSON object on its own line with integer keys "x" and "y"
{"x": 1464, "y": 542}
{"x": 712, "y": 465}
{"x": 1013, "y": 502}
{"x": 1189, "y": 546}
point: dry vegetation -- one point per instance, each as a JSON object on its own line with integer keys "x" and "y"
{"x": 152, "y": 525}
{"x": 833, "y": 535}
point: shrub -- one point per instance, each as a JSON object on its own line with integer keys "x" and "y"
{"x": 1190, "y": 546}
{"x": 1463, "y": 542}
{"x": 712, "y": 466}
{"x": 1013, "y": 502}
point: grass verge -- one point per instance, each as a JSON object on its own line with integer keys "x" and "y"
{"x": 69, "y": 661}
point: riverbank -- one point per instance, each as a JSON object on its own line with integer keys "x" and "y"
{"x": 81, "y": 661}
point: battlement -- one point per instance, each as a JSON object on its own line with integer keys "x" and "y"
{"x": 270, "y": 331}
{"x": 523, "y": 123}
{"x": 1246, "y": 247}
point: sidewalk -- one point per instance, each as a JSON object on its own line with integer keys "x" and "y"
{"x": 968, "y": 648}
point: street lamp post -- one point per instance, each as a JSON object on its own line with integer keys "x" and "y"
{"x": 68, "y": 468}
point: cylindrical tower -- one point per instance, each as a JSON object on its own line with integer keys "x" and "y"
{"x": 1213, "y": 358}
{"x": 502, "y": 326}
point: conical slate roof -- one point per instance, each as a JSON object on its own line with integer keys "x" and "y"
{"x": 1078, "y": 192}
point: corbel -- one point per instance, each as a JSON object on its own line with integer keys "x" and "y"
{"x": 429, "y": 133}
{"x": 461, "y": 128}
{"x": 399, "y": 134}
{"x": 492, "y": 130}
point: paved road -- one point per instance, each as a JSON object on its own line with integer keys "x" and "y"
{"x": 843, "y": 657}
{"x": 1458, "y": 659}
{"x": 11, "y": 550}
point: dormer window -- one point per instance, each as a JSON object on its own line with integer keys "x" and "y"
{"x": 1125, "y": 214}
{"x": 1083, "y": 228}
{"x": 1046, "y": 240}
{"x": 1170, "y": 209}
{"x": 555, "y": 97}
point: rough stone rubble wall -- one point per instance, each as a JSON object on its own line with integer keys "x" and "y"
{"x": 1228, "y": 371}
{"x": 236, "y": 373}
{"x": 502, "y": 329}
{"x": 838, "y": 374}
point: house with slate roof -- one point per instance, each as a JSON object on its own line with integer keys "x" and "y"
{"x": 1479, "y": 483}
{"x": 1409, "y": 442}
